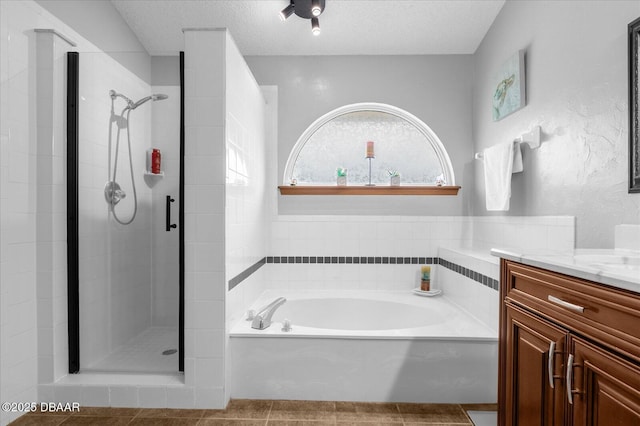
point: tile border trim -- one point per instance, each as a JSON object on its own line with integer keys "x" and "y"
{"x": 246, "y": 273}
{"x": 366, "y": 260}
{"x": 380, "y": 260}
{"x": 471, "y": 274}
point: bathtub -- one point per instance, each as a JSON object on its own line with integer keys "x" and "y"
{"x": 365, "y": 346}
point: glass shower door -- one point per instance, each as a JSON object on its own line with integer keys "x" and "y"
{"x": 128, "y": 263}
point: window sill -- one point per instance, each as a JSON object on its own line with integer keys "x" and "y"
{"x": 369, "y": 190}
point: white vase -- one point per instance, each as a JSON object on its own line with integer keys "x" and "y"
{"x": 342, "y": 181}
{"x": 395, "y": 180}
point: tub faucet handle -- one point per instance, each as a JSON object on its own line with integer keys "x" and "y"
{"x": 262, "y": 319}
{"x": 286, "y": 325}
{"x": 251, "y": 314}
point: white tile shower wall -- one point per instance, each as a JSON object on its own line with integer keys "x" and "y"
{"x": 165, "y": 135}
{"x": 51, "y": 208}
{"x": 204, "y": 215}
{"x": 245, "y": 159}
{"x": 115, "y": 260}
{"x": 18, "y": 202}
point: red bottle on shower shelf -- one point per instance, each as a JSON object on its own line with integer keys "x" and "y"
{"x": 155, "y": 161}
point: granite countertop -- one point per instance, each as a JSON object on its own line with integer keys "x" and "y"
{"x": 616, "y": 268}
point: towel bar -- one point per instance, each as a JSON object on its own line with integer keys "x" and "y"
{"x": 531, "y": 138}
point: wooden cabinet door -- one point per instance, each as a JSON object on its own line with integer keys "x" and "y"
{"x": 530, "y": 397}
{"x": 607, "y": 387}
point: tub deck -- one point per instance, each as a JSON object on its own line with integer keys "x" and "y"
{"x": 450, "y": 323}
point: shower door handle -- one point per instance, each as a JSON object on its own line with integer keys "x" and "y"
{"x": 169, "y": 225}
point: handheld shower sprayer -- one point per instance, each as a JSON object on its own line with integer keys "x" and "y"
{"x": 112, "y": 191}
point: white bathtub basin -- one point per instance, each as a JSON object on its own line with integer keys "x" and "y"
{"x": 364, "y": 314}
{"x": 357, "y": 314}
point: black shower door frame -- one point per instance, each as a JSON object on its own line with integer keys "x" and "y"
{"x": 73, "y": 247}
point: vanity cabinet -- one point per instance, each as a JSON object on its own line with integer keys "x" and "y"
{"x": 569, "y": 350}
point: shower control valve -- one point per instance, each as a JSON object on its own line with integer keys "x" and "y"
{"x": 113, "y": 193}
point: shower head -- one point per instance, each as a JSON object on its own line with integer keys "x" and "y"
{"x": 154, "y": 97}
{"x": 134, "y": 105}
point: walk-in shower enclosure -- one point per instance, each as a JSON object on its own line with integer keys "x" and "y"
{"x": 128, "y": 278}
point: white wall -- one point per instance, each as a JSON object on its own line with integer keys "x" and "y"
{"x": 577, "y": 91}
{"x": 100, "y": 22}
{"x": 436, "y": 89}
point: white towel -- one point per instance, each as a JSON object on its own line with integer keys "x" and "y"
{"x": 500, "y": 162}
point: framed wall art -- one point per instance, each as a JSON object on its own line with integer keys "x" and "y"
{"x": 509, "y": 90}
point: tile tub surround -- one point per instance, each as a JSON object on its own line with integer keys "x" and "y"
{"x": 470, "y": 277}
{"x": 266, "y": 412}
{"x": 315, "y": 235}
{"x": 464, "y": 275}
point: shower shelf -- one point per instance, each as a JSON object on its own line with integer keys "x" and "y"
{"x": 148, "y": 173}
{"x": 368, "y": 190}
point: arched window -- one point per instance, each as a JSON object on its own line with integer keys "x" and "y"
{"x": 402, "y": 142}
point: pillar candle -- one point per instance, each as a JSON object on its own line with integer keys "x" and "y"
{"x": 370, "y": 153}
{"x": 426, "y": 272}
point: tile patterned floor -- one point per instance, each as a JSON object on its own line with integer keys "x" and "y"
{"x": 264, "y": 412}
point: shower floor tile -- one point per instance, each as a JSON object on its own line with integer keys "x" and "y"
{"x": 143, "y": 353}
{"x": 269, "y": 413}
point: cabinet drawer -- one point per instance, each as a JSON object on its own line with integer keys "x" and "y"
{"x": 609, "y": 316}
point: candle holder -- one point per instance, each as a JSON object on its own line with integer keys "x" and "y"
{"x": 369, "y": 155}
{"x": 370, "y": 184}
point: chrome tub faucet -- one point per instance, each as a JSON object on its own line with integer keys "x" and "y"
{"x": 262, "y": 319}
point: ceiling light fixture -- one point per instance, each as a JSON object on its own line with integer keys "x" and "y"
{"x": 306, "y": 9}
{"x": 287, "y": 11}
{"x": 315, "y": 26}
{"x": 316, "y": 10}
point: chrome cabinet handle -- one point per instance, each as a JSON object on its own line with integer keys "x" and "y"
{"x": 570, "y": 306}
{"x": 569, "y": 378}
{"x": 552, "y": 348}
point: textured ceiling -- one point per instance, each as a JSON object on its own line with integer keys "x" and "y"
{"x": 349, "y": 27}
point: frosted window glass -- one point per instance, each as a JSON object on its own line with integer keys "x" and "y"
{"x": 341, "y": 142}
